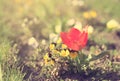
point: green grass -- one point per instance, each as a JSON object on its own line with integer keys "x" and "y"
{"x": 8, "y": 69}
{"x": 12, "y": 74}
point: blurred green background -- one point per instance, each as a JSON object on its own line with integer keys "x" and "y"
{"x": 41, "y": 16}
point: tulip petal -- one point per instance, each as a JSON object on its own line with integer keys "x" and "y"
{"x": 74, "y": 39}
{"x": 74, "y": 34}
{"x": 65, "y": 38}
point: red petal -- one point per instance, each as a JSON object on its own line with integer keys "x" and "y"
{"x": 83, "y": 39}
{"x": 65, "y": 38}
{"x": 75, "y": 47}
{"x": 74, "y": 39}
{"x": 74, "y": 34}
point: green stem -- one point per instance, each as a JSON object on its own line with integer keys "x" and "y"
{"x": 78, "y": 64}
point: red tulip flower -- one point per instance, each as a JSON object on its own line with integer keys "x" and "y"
{"x": 75, "y": 39}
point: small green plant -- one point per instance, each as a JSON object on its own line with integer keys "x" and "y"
{"x": 8, "y": 63}
{"x": 65, "y": 55}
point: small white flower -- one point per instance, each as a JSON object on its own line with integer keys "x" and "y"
{"x": 90, "y": 30}
{"x": 70, "y": 22}
{"x": 78, "y": 25}
{"x": 53, "y": 37}
{"x": 33, "y": 42}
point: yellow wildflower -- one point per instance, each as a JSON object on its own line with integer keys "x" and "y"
{"x": 86, "y": 15}
{"x": 55, "y": 51}
{"x": 47, "y": 60}
{"x": 112, "y": 24}
{"x": 64, "y": 46}
{"x": 73, "y": 54}
{"x": 52, "y": 46}
{"x": 46, "y": 56}
{"x": 64, "y": 53}
{"x": 90, "y": 14}
{"x": 59, "y": 40}
{"x": 93, "y": 14}
{"x": 52, "y": 62}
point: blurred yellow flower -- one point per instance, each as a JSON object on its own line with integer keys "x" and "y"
{"x": 93, "y": 14}
{"x": 86, "y": 15}
{"x": 59, "y": 40}
{"x": 52, "y": 62}
{"x": 47, "y": 60}
{"x": 90, "y": 30}
{"x": 64, "y": 53}
{"x": 90, "y": 14}
{"x": 52, "y": 46}
{"x": 55, "y": 51}
{"x": 64, "y": 46}
{"x": 112, "y": 24}
{"x": 73, "y": 54}
{"x": 46, "y": 57}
